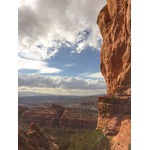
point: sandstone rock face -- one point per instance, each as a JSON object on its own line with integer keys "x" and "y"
{"x": 123, "y": 139}
{"x": 114, "y": 23}
{"x": 112, "y": 111}
{"x": 43, "y": 116}
{"x": 114, "y": 116}
{"x": 114, "y": 120}
{"x": 34, "y": 139}
{"x": 56, "y": 116}
{"x": 90, "y": 103}
{"x": 75, "y": 119}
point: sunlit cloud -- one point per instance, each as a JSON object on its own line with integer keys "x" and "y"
{"x": 60, "y": 91}
{"x": 48, "y": 21}
{"x": 32, "y": 80}
{"x": 96, "y": 75}
{"x": 48, "y": 28}
{"x": 39, "y": 66}
{"x": 69, "y": 65}
{"x": 35, "y": 81}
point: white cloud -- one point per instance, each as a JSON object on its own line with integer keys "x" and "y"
{"x": 32, "y": 55}
{"x": 61, "y": 91}
{"x": 43, "y": 28}
{"x": 49, "y": 70}
{"x": 96, "y": 75}
{"x": 62, "y": 21}
{"x": 41, "y": 50}
{"x": 56, "y": 82}
{"x": 40, "y": 66}
{"x": 35, "y": 80}
{"x": 81, "y": 46}
{"x": 26, "y": 3}
{"x": 69, "y": 65}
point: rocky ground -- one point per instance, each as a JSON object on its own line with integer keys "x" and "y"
{"x": 35, "y": 139}
{"x": 53, "y": 127}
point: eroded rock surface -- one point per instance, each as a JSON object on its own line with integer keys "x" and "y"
{"x": 114, "y": 119}
{"x": 114, "y": 116}
{"x": 114, "y": 23}
{"x": 76, "y": 119}
{"x": 56, "y": 116}
{"x": 34, "y": 139}
{"x": 123, "y": 139}
{"x": 43, "y": 116}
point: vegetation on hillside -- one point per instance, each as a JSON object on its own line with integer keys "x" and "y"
{"x": 77, "y": 139}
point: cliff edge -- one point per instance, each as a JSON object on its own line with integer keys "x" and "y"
{"x": 114, "y": 22}
{"x": 114, "y": 116}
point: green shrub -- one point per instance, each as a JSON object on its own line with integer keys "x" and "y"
{"x": 129, "y": 147}
{"x": 79, "y": 139}
{"x": 89, "y": 141}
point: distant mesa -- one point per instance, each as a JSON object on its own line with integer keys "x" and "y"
{"x": 43, "y": 116}
{"x": 57, "y": 116}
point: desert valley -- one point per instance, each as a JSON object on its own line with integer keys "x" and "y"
{"x": 99, "y": 122}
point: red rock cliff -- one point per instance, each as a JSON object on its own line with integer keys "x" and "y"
{"x": 35, "y": 139}
{"x": 114, "y": 116}
{"x": 114, "y": 24}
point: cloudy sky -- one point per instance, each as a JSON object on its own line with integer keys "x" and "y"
{"x": 59, "y": 47}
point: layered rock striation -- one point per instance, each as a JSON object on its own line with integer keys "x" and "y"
{"x": 75, "y": 119}
{"x": 114, "y": 119}
{"x": 43, "y": 116}
{"x": 57, "y": 116}
{"x": 114, "y": 116}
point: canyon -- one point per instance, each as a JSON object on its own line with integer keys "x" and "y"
{"x": 58, "y": 116}
{"x": 54, "y": 126}
{"x": 114, "y": 109}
